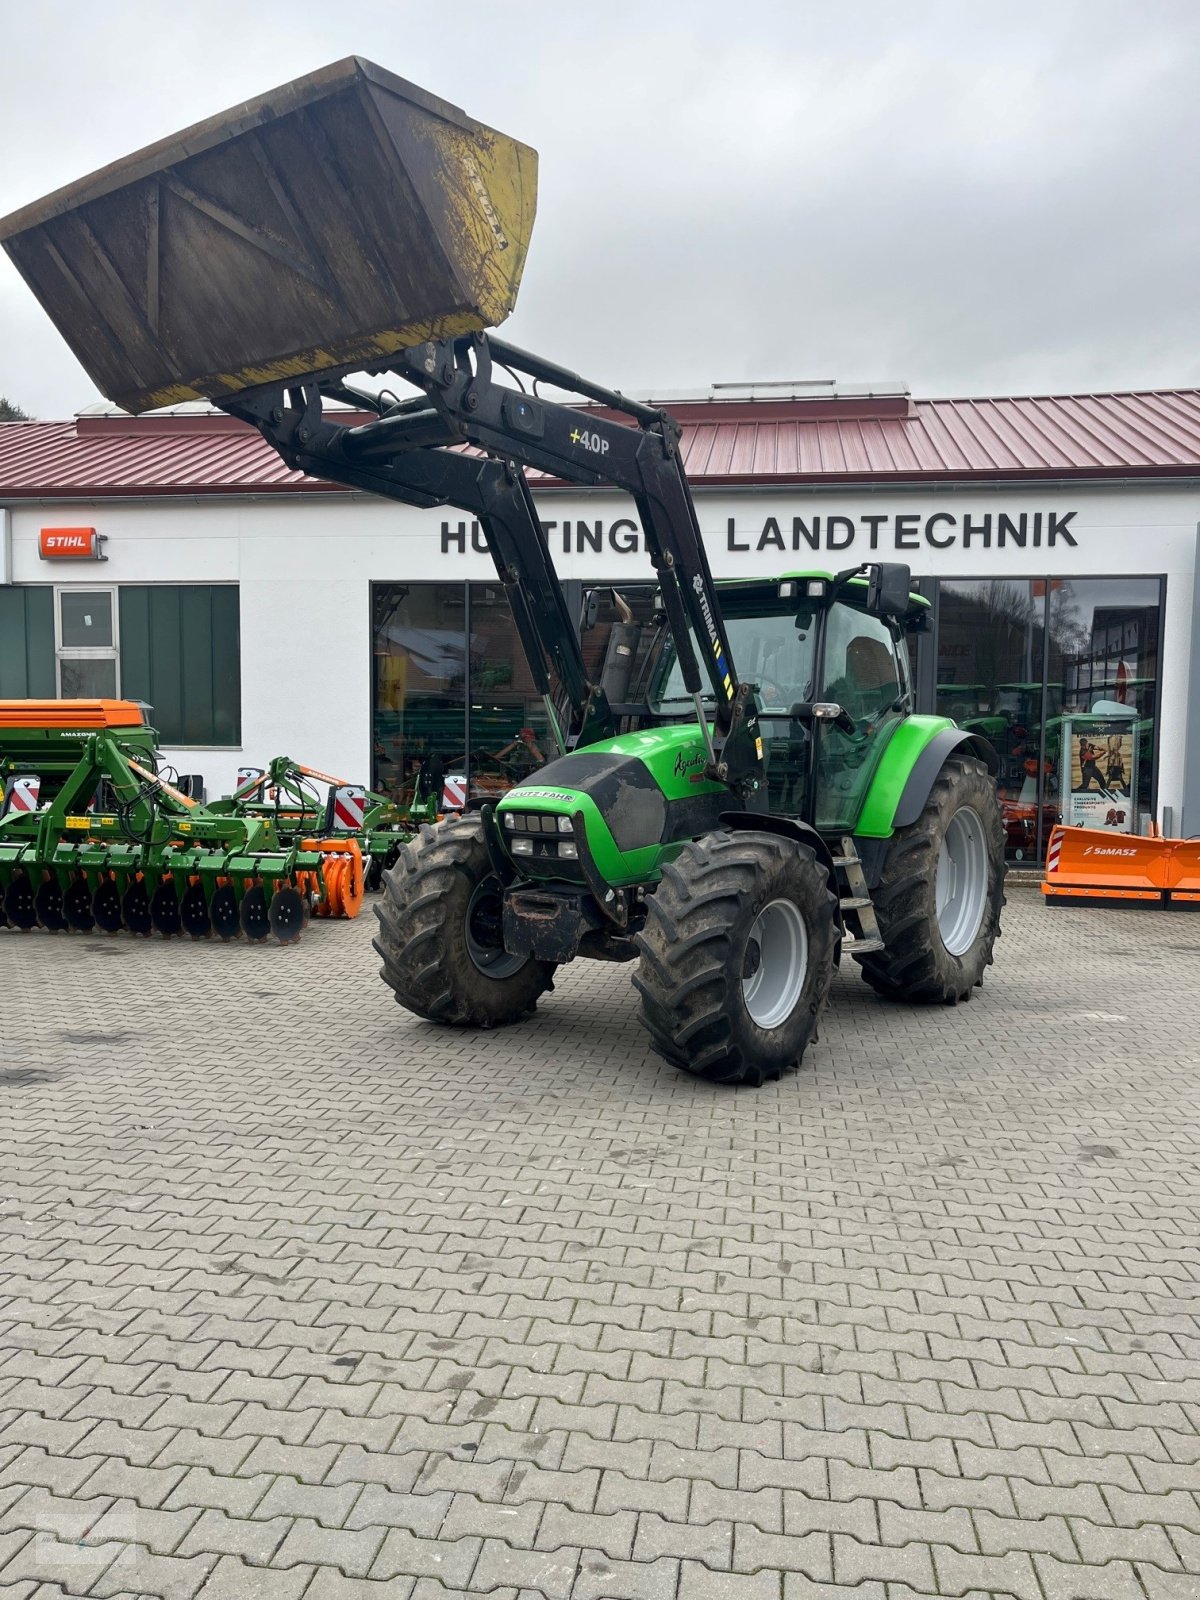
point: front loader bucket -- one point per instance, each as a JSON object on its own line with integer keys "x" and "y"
{"x": 322, "y": 227}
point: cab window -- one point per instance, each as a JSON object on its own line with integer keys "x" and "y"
{"x": 863, "y": 669}
{"x": 866, "y": 673}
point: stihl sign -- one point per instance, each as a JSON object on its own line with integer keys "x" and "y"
{"x": 71, "y": 544}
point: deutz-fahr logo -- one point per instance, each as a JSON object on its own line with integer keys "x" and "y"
{"x": 543, "y": 794}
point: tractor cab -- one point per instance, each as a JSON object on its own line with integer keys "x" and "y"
{"x": 828, "y": 665}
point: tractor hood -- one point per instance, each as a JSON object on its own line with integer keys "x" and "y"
{"x": 634, "y": 793}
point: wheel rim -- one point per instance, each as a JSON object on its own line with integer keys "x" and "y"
{"x": 485, "y": 932}
{"x": 961, "y": 886}
{"x": 775, "y": 964}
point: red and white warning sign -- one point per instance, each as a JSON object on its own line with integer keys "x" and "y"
{"x": 1055, "y": 850}
{"x": 454, "y": 791}
{"x": 23, "y": 794}
{"x": 349, "y": 808}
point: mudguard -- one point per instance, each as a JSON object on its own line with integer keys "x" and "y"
{"x": 930, "y": 762}
{"x": 789, "y": 828}
{"x": 907, "y": 770}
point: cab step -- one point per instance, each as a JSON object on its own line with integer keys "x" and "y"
{"x": 862, "y": 947}
{"x": 857, "y": 907}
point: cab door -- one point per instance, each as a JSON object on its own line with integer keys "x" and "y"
{"x": 865, "y": 670}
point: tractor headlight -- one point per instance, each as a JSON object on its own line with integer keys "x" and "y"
{"x": 509, "y": 820}
{"x": 564, "y": 825}
{"x": 522, "y": 847}
{"x": 568, "y": 850}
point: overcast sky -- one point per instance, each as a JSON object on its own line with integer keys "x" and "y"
{"x": 973, "y": 198}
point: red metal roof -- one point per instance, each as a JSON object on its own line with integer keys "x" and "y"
{"x": 1155, "y": 433}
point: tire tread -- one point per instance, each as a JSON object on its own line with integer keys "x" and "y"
{"x": 421, "y": 964}
{"x": 914, "y": 964}
{"x": 684, "y": 977}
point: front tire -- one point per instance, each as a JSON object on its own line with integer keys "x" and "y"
{"x": 737, "y": 956}
{"x": 939, "y": 898}
{"x": 440, "y": 933}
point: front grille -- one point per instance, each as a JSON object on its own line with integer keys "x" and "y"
{"x": 535, "y": 844}
{"x": 530, "y": 822}
{"x": 544, "y": 850}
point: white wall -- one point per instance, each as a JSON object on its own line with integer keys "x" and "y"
{"x": 305, "y": 564}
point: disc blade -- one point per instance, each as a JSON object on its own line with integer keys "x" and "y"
{"x": 164, "y": 910}
{"x": 286, "y": 914}
{"x": 19, "y": 903}
{"x": 223, "y": 910}
{"x": 77, "y": 906}
{"x": 330, "y": 903}
{"x": 352, "y": 885}
{"x": 106, "y": 906}
{"x": 256, "y": 924}
{"x": 48, "y": 903}
{"x": 135, "y": 909}
{"x": 193, "y": 911}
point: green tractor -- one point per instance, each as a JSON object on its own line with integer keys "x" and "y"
{"x": 761, "y": 801}
{"x": 880, "y": 839}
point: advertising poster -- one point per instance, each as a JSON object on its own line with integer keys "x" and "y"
{"x": 1100, "y": 765}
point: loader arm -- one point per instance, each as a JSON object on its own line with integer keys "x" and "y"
{"x": 496, "y": 493}
{"x": 404, "y": 454}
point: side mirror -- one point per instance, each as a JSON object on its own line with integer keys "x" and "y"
{"x": 888, "y": 585}
{"x": 591, "y": 610}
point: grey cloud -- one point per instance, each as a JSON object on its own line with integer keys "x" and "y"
{"x": 972, "y": 198}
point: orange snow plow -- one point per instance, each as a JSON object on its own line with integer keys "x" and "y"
{"x": 1094, "y": 866}
{"x": 1185, "y": 868}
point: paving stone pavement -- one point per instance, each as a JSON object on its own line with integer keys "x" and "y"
{"x": 302, "y": 1299}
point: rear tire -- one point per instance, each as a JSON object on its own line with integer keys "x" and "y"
{"x": 737, "y": 956}
{"x": 439, "y": 934}
{"x": 939, "y": 898}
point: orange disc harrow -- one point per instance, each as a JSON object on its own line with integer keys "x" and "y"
{"x": 342, "y": 870}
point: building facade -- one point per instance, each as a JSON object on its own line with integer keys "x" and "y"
{"x": 173, "y": 559}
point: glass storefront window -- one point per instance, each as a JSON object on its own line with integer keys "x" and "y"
{"x": 989, "y": 679}
{"x": 1080, "y": 751}
{"x": 597, "y": 639}
{"x": 420, "y": 672}
{"x": 451, "y": 687}
{"x": 508, "y": 729}
{"x": 1060, "y": 674}
{"x": 1102, "y": 700}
